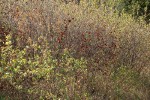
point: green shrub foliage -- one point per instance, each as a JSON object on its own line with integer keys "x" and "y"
{"x": 43, "y": 75}
{"x": 137, "y": 8}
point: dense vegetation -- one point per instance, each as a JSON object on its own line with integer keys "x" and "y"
{"x": 137, "y": 8}
{"x": 55, "y": 50}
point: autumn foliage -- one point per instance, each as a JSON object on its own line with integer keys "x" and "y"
{"x": 53, "y": 50}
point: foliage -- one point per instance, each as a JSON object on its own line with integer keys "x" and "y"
{"x": 54, "y": 52}
{"x": 137, "y": 8}
{"x": 27, "y": 74}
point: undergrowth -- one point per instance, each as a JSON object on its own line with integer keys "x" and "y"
{"x": 52, "y": 50}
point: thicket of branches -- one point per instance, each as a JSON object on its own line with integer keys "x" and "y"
{"x": 53, "y": 50}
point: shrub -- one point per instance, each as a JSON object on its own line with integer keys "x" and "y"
{"x": 78, "y": 53}
{"x": 44, "y": 76}
{"x": 137, "y": 8}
